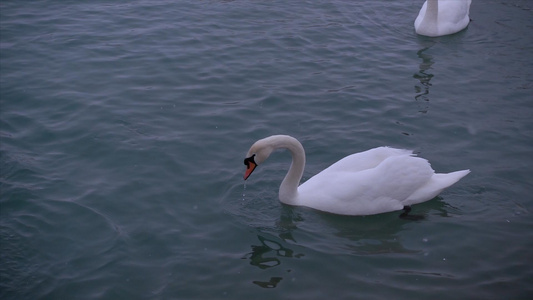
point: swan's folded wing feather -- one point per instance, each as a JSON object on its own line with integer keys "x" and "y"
{"x": 370, "y": 191}
{"x": 365, "y": 160}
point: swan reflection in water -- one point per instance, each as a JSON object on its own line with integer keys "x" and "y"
{"x": 300, "y": 229}
{"x": 424, "y": 76}
{"x": 267, "y": 255}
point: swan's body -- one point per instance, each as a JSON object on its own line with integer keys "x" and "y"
{"x": 442, "y": 17}
{"x": 375, "y": 181}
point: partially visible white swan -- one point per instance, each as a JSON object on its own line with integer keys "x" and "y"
{"x": 375, "y": 181}
{"x": 442, "y": 17}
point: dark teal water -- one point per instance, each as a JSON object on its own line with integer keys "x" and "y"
{"x": 124, "y": 126}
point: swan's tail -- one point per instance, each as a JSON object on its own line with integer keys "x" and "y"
{"x": 435, "y": 186}
{"x": 446, "y": 180}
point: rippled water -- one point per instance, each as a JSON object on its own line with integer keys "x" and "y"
{"x": 123, "y": 129}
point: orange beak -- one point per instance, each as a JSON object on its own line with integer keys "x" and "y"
{"x": 250, "y": 166}
{"x": 249, "y": 169}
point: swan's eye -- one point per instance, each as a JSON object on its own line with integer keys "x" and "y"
{"x": 248, "y": 160}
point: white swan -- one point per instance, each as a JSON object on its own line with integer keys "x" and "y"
{"x": 375, "y": 181}
{"x": 442, "y": 17}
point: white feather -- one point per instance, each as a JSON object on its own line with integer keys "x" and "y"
{"x": 371, "y": 182}
{"x": 442, "y": 17}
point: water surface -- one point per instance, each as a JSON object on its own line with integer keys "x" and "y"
{"x": 124, "y": 126}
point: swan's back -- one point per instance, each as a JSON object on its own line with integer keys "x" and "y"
{"x": 388, "y": 179}
{"x": 374, "y": 190}
{"x": 366, "y": 160}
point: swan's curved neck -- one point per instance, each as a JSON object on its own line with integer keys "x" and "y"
{"x": 288, "y": 191}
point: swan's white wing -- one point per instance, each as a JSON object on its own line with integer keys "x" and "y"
{"x": 454, "y": 11}
{"x": 371, "y": 191}
{"x": 454, "y": 16}
{"x": 365, "y": 160}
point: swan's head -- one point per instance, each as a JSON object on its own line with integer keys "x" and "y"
{"x": 257, "y": 154}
